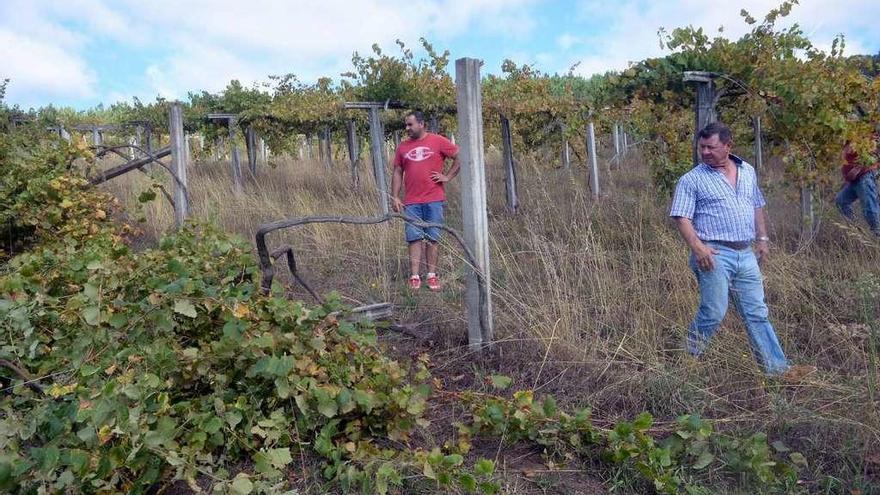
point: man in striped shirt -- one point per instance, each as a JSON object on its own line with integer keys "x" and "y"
{"x": 719, "y": 209}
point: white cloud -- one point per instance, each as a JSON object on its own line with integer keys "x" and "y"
{"x": 99, "y": 18}
{"x": 630, "y": 32}
{"x": 157, "y": 78}
{"x": 38, "y": 70}
{"x": 272, "y": 28}
{"x": 215, "y": 41}
{"x": 190, "y": 45}
{"x": 30, "y": 20}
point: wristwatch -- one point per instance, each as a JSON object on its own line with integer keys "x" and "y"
{"x": 763, "y": 238}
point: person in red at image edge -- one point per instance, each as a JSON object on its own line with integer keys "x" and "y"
{"x": 418, "y": 167}
{"x": 860, "y": 183}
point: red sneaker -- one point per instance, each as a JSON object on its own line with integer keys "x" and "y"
{"x": 434, "y": 283}
{"x": 415, "y": 282}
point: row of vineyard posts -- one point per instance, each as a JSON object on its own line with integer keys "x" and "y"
{"x": 380, "y": 143}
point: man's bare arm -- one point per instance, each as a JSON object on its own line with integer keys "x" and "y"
{"x": 448, "y": 176}
{"x": 396, "y": 183}
{"x": 760, "y": 223}
{"x": 762, "y": 247}
{"x": 686, "y": 229}
{"x": 455, "y": 168}
{"x": 703, "y": 253}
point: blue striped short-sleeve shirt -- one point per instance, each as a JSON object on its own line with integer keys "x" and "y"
{"x": 719, "y": 211}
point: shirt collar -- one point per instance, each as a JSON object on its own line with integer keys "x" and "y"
{"x": 735, "y": 159}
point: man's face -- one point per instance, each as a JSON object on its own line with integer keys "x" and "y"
{"x": 713, "y": 152}
{"x": 414, "y": 128}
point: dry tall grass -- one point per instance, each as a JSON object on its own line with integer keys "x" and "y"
{"x": 592, "y": 299}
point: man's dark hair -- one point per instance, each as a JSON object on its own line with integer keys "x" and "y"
{"x": 724, "y": 134}
{"x": 420, "y": 117}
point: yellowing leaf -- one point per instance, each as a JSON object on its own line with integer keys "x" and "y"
{"x": 57, "y": 390}
{"x": 104, "y": 434}
{"x": 241, "y": 311}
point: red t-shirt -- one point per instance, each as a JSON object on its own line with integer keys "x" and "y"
{"x": 418, "y": 158}
{"x": 852, "y": 170}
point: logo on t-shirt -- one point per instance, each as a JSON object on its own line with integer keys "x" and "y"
{"x": 420, "y": 153}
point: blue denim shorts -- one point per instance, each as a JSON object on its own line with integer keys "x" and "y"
{"x": 427, "y": 212}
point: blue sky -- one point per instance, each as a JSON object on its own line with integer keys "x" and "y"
{"x": 83, "y": 52}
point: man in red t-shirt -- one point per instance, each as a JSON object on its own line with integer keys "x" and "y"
{"x": 418, "y": 166}
{"x": 860, "y": 183}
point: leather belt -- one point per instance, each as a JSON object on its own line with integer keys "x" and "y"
{"x": 737, "y": 245}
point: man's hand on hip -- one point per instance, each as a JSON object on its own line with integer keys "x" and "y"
{"x": 705, "y": 256}
{"x": 439, "y": 178}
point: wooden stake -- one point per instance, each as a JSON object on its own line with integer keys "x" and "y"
{"x": 237, "y": 185}
{"x": 250, "y": 143}
{"x": 149, "y": 138}
{"x": 617, "y": 141}
{"x": 178, "y": 163}
{"x": 351, "y": 140}
{"x": 473, "y": 198}
{"x": 509, "y": 165}
{"x": 138, "y": 139}
{"x": 263, "y": 149}
{"x": 594, "y": 162}
{"x": 328, "y": 149}
{"x": 566, "y": 152}
{"x": 377, "y": 143}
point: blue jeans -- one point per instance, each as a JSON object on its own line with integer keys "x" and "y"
{"x": 865, "y": 190}
{"x": 427, "y": 212}
{"x": 736, "y": 274}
